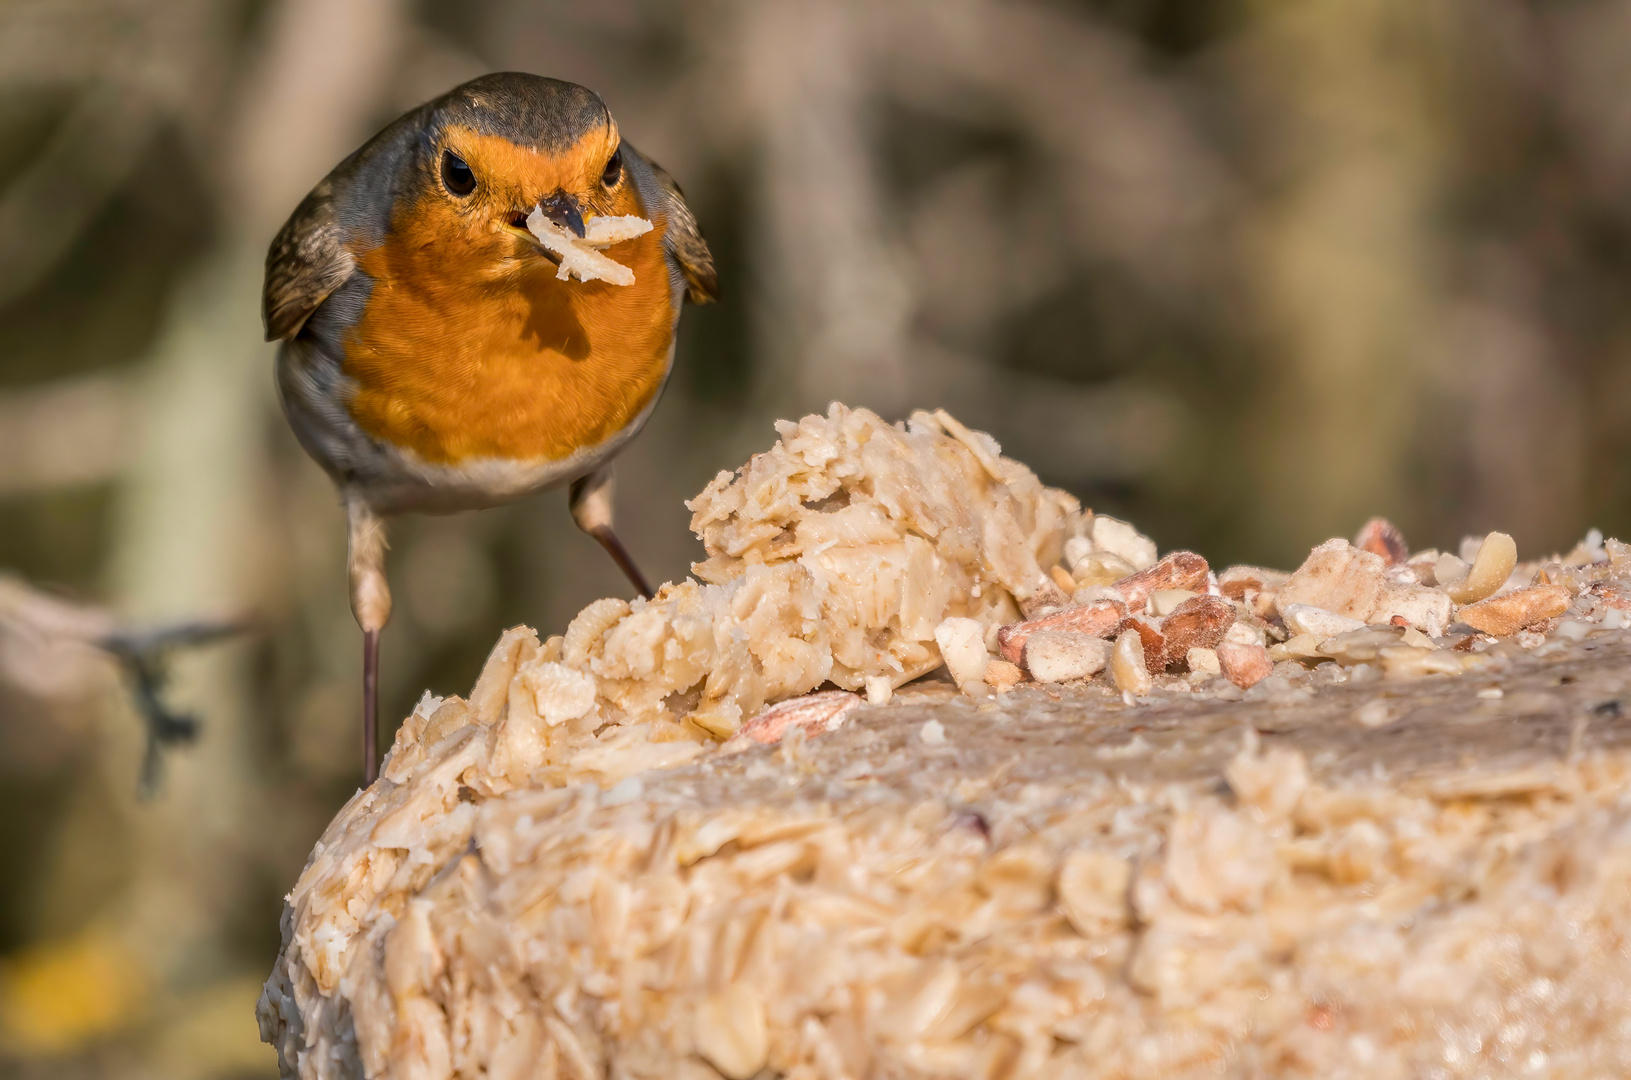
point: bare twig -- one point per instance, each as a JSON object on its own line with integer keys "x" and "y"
{"x": 143, "y": 653}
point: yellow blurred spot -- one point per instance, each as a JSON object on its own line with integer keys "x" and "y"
{"x": 58, "y": 996}
{"x": 213, "y": 1031}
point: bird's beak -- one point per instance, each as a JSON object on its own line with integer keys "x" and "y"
{"x": 563, "y": 210}
{"x": 560, "y": 208}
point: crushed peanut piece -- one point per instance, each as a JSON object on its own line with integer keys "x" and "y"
{"x": 814, "y": 714}
{"x": 1002, "y": 676}
{"x": 1244, "y": 665}
{"x": 1098, "y": 618}
{"x": 1151, "y": 640}
{"x": 1200, "y": 622}
{"x": 962, "y": 644}
{"x": 1307, "y": 619}
{"x": 1341, "y": 579}
{"x": 1613, "y": 596}
{"x": 1237, "y": 581}
{"x": 1061, "y": 577}
{"x": 1121, "y": 540}
{"x": 1381, "y": 537}
{"x": 1179, "y": 570}
{"x": 1128, "y": 666}
{"x": 1054, "y": 656}
{"x": 1203, "y": 660}
{"x": 1496, "y": 557}
{"x": 1513, "y": 611}
{"x": 1163, "y": 601}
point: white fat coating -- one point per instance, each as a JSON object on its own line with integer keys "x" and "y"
{"x": 579, "y": 257}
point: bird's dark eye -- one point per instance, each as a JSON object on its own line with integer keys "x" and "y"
{"x": 614, "y": 168}
{"x": 456, "y": 174}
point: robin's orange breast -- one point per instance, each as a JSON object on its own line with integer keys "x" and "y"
{"x": 456, "y": 361}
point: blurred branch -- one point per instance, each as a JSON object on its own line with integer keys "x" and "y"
{"x": 45, "y": 625}
{"x": 154, "y": 50}
{"x": 843, "y": 284}
{"x": 1140, "y": 182}
{"x": 145, "y": 655}
{"x": 48, "y": 206}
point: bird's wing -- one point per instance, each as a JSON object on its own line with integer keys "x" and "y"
{"x": 305, "y": 264}
{"x": 683, "y": 239}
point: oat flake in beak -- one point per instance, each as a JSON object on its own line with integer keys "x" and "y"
{"x": 581, "y": 258}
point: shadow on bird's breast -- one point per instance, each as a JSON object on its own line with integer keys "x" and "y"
{"x": 553, "y": 321}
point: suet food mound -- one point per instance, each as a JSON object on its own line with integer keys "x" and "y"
{"x": 1369, "y": 818}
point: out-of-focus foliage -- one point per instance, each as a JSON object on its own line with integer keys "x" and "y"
{"x": 1243, "y": 272}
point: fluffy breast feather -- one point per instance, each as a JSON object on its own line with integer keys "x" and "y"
{"x": 452, "y": 361}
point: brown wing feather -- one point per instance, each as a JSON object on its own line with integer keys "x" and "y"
{"x": 683, "y": 240}
{"x": 305, "y": 263}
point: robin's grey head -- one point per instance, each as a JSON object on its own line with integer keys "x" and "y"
{"x": 528, "y": 110}
{"x": 498, "y": 146}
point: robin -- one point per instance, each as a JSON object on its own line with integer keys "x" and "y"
{"x": 431, "y": 359}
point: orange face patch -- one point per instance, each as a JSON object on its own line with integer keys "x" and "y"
{"x": 510, "y": 177}
{"x": 469, "y": 346}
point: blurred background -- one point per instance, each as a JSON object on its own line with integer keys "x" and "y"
{"x": 1243, "y": 272}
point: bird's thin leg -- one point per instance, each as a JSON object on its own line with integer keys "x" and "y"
{"x": 591, "y": 503}
{"x": 370, "y": 706}
{"x": 371, "y": 604}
